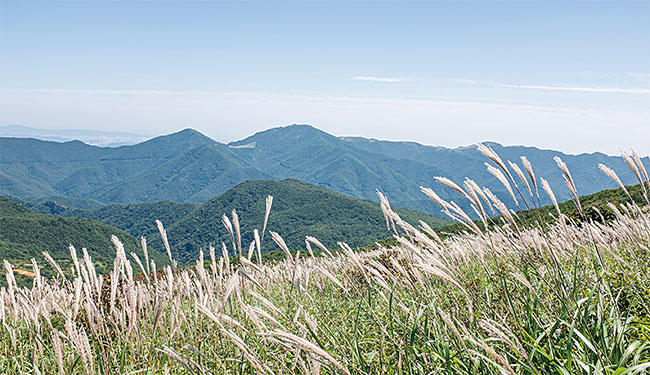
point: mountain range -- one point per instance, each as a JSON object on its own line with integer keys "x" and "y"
{"x": 189, "y": 167}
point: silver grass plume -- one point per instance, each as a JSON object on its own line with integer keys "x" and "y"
{"x": 226, "y": 223}
{"x": 519, "y": 173}
{"x": 568, "y": 180}
{"x": 163, "y": 235}
{"x": 641, "y": 167}
{"x": 631, "y": 162}
{"x": 452, "y": 185}
{"x": 609, "y": 172}
{"x": 529, "y": 169}
{"x": 489, "y": 153}
{"x": 235, "y": 223}
{"x": 269, "y": 203}
{"x": 499, "y": 175}
{"x": 549, "y": 192}
{"x": 435, "y": 198}
{"x": 143, "y": 243}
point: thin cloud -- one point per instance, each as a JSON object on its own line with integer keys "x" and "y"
{"x": 579, "y": 89}
{"x": 377, "y": 79}
{"x": 611, "y": 90}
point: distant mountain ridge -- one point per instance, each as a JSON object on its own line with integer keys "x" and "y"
{"x": 189, "y": 167}
{"x": 91, "y": 137}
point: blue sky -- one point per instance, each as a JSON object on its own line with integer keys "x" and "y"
{"x": 573, "y": 76}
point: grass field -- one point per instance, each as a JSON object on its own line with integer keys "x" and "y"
{"x": 569, "y": 297}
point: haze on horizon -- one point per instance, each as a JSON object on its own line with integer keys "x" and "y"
{"x": 570, "y": 76}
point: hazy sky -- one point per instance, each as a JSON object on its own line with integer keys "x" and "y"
{"x": 573, "y": 76}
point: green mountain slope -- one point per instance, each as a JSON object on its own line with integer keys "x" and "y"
{"x": 311, "y": 155}
{"x": 25, "y": 234}
{"x": 358, "y": 166}
{"x": 299, "y": 209}
{"x": 139, "y": 219}
{"x": 468, "y": 162}
{"x": 184, "y": 166}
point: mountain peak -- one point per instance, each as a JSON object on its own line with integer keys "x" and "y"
{"x": 189, "y": 132}
{"x": 282, "y": 134}
{"x": 187, "y": 135}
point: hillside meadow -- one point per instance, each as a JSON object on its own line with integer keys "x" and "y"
{"x": 562, "y": 296}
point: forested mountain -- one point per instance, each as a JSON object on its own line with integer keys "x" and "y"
{"x": 190, "y": 167}
{"x": 299, "y": 210}
{"x": 26, "y": 234}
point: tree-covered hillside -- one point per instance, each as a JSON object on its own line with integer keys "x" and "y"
{"x": 299, "y": 210}
{"x": 26, "y": 234}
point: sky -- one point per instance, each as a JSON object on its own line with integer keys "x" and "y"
{"x": 567, "y": 75}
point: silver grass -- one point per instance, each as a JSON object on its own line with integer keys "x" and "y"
{"x": 477, "y": 189}
{"x": 269, "y": 203}
{"x": 499, "y": 175}
{"x": 519, "y": 173}
{"x": 137, "y": 260}
{"x": 58, "y": 350}
{"x": 452, "y": 185}
{"x": 632, "y": 165}
{"x": 447, "y": 320}
{"x": 502, "y": 361}
{"x": 611, "y": 174}
{"x": 639, "y": 162}
{"x": 258, "y": 245}
{"x": 529, "y": 169}
{"x": 502, "y": 208}
{"x": 226, "y": 223}
{"x": 143, "y": 244}
{"x": 11, "y": 280}
{"x": 251, "y": 248}
{"x": 213, "y": 261}
{"x": 459, "y": 211}
{"x": 504, "y": 334}
{"x": 568, "y": 180}
{"x": 639, "y": 171}
{"x": 469, "y": 187}
{"x": 226, "y": 257}
{"x": 489, "y": 153}
{"x": 235, "y": 223}
{"x": 75, "y": 261}
{"x": 280, "y": 242}
{"x": 300, "y": 342}
{"x": 163, "y": 235}
{"x": 549, "y": 192}
{"x": 37, "y": 275}
{"x": 318, "y": 244}
{"x": 54, "y": 265}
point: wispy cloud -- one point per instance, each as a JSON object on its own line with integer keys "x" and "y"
{"x": 580, "y": 89}
{"x": 611, "y": 90}
{"x": 377, "y": 79}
